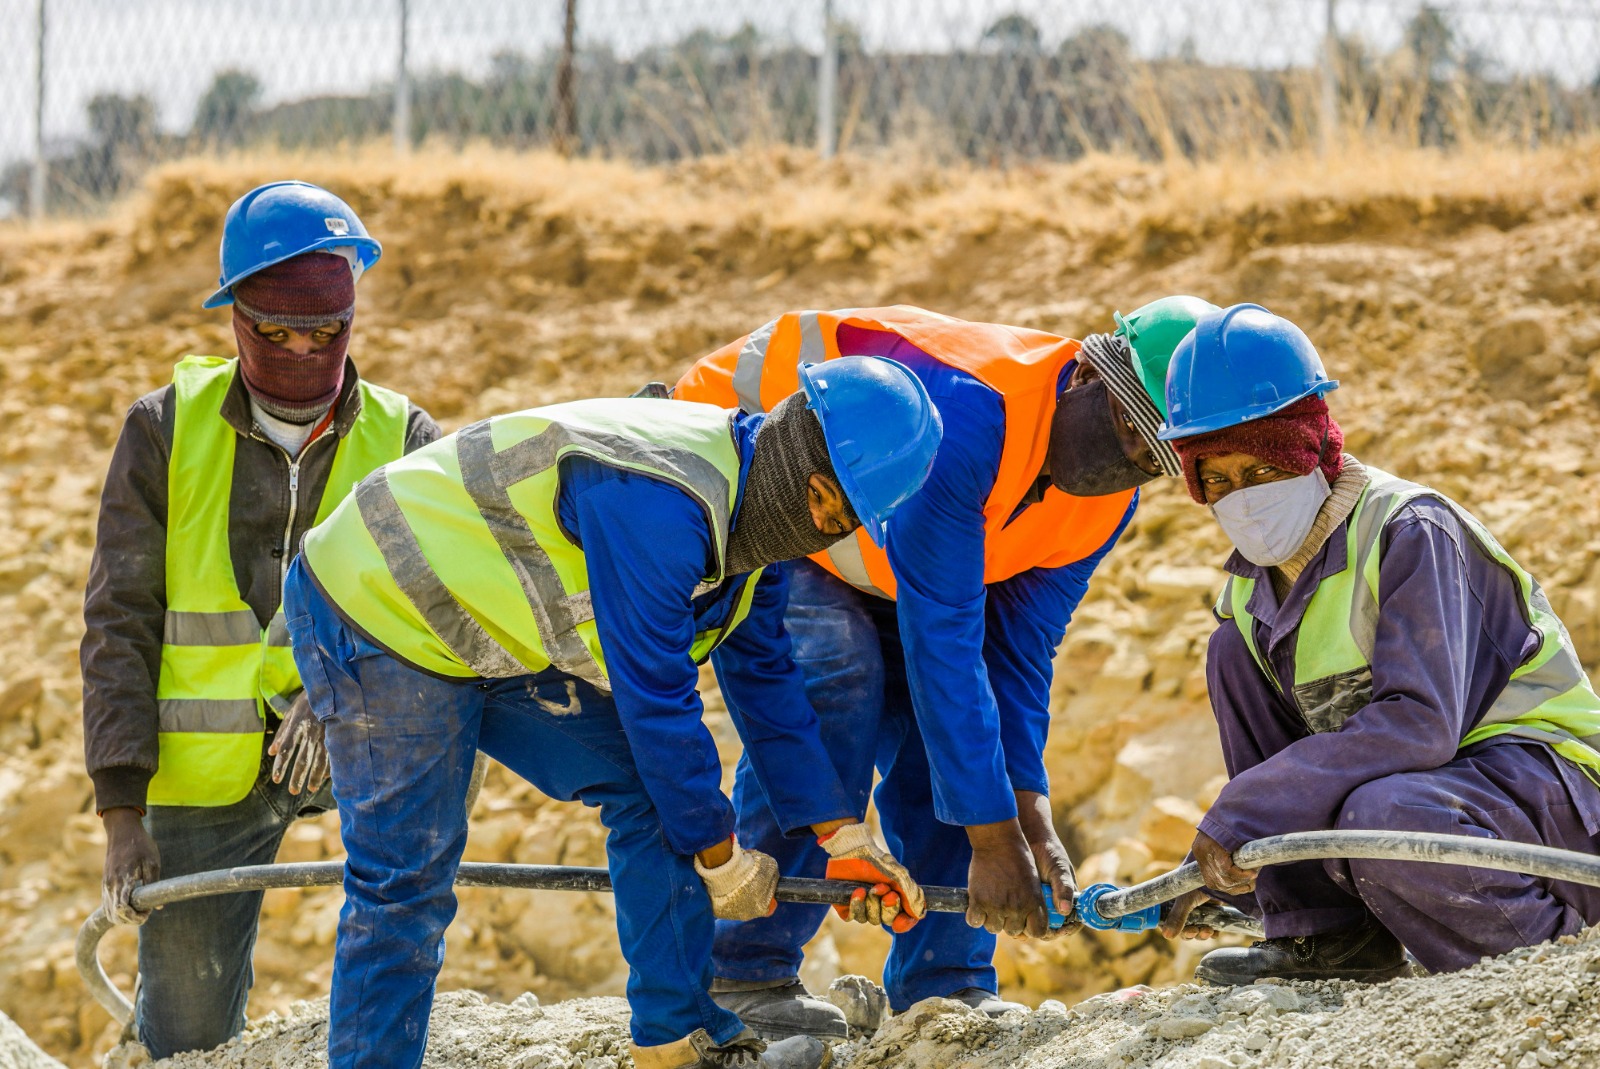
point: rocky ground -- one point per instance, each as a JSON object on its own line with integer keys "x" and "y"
{"x": 1457, "y": 297}
{"x": 1534, "y": 1008}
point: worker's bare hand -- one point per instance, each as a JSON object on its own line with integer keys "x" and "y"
{"x": 1216, "y": 865}
{"x": 1052, "y": 861}
{"x": 299, "y": 749}
{"x": 1176, "y": 924}
{"x": 132, "y": 860}
{"x": 1002, "y": 883}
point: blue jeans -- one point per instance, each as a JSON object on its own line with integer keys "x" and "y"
{"x": 401, "y": 745}
{"x": 847, "y": 644}
{"x": 194, "y": 957}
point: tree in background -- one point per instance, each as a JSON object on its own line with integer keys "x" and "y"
{"x": 226, "y": 111}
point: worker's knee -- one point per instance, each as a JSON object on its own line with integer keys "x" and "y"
{"x": 1407, "y": 802}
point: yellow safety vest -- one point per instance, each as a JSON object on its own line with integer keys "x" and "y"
{"x": 1549, "y": 698}
{"x": 454, "y": 558}
{"x": 219, "y": 667}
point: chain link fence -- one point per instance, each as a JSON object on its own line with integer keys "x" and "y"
{"x": 94, "y": 91}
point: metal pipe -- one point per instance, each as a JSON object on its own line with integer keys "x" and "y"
{"x": 1545, "y": 861}
{"x": 37, "y": 180}
{"x": 402, "y": 87}
{"x": 827, "y": 80}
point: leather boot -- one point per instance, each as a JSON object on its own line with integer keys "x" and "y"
{"x": 744, "y": 1051}
{"x": 780, "y": 1010}
{"x": 1366, "y": 953}
{"x": 987, "y": 1002}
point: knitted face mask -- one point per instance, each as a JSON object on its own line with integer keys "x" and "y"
{"x": 774, "y": 521}
{"x": 302, "y": 294}
{"x": 1086, "y": 457}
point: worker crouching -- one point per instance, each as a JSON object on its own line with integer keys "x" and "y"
{"x": 1382, "y": 663}
{"x": 541, "y": 586}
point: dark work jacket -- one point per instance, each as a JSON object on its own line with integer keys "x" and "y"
{"x": 125, "y": 604}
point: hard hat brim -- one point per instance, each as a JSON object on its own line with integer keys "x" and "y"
{"x": 841, "y": 470}
{"x": 1220, "y": 420}
{"x": 368, "y": 249}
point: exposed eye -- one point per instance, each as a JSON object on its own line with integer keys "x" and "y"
{"x": 1127, "y": 421}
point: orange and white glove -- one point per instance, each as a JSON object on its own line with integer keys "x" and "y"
{"x": 894, "y": 898}
{"x": 742, "y": 887}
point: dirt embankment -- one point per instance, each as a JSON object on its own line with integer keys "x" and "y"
{"x": 1456, "y": 298}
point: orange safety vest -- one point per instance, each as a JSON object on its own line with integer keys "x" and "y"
{"x": 1023, "y": 366}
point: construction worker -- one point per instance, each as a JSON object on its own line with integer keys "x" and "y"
{"x": 932, "y": 660}
{"x": 196, "y": 729}
{"x": 1380, "y": 662}
{"x": 540, "y": 586}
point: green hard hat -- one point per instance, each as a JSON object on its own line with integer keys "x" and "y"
{"x": 1153, "y": 332}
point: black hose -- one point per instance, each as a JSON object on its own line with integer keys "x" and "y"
{"x": 1564, "y": 865}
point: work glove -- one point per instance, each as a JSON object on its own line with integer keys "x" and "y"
{"x": 742, "y": 888}
{"x": 132, "y": 860}
{"x": 299, "y": 750}
{"x": 894, "y": 898}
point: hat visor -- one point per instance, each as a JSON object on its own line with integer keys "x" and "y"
{"x": 1232, "y": 418}
{"x": 367, "y": 249}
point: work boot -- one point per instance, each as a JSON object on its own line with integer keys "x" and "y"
{"x": 1366, "y": 953}
{"x": 987, "y": 1002}
{"x": 744, "y": 1051}
{"x": 780, "y": 1009}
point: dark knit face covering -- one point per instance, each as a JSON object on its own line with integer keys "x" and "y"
{"x": 301, "y": 294}
{"x": 774, "y": 519}
{"x": 1297, "y": 439}
{"x": 1109, "y": 354}
{"x": 1085, "y": 452}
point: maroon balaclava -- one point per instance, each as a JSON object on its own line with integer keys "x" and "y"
{"x": 1298, "y": 439}
{"x": 301, "y": 293}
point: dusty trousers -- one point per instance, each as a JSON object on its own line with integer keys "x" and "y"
{"x": 194, "y": 957}
{"x": 1448, "y": 916}
{"x": 401, "y": 745}
{"x": 847, "y": 644}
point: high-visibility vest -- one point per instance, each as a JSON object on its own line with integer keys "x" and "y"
{"x": 220, "y": 668}
{"x": 454, "y": 557}
{"x": 1023, "y": 366}
{"x": 1548, "y": 698}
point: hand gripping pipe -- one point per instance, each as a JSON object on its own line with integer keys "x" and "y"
{"x": 1106, "y": 906}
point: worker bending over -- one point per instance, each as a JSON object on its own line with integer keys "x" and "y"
{"x": 186, "y": 662}
{"x": 540, "y": 586}
{"x": 931, "y": 658}
{"x": 1380, "y": 663}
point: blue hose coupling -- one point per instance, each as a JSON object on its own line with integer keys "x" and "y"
{"x": 1058, "y": 919}
{"x": 1142, "y": 921}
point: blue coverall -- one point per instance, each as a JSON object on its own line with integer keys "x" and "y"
{"x": 401, "y": 743}
{"x": 946, "y": 690}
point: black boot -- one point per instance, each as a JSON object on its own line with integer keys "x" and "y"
{"x": 1365, "y": 953}
{"x": 781, "y": 1011}
{"x": 987, "y": 1002}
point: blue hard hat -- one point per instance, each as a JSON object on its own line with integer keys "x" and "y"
{"x": 282, "y": 220}
{"x": 1236, "y": 365}
{"x": 881, "y": 428}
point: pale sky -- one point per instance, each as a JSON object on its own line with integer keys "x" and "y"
{"x": 170, "y": 49}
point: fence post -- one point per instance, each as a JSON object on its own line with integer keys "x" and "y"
{"x": 566, "y": 132}
{"x": 36, "y": 182}
{"x": 402, "y": 87}
{"x": 827, "y": 77}
{"x": 1330, "y": 82}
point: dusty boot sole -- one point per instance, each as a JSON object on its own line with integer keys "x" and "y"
{"x": 1214, "y": 977}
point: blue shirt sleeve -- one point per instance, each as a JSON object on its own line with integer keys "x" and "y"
{"x": 767, "y": 702}
{"x": 1026, "y": 617}
{"x": 936, "y": 548}
{"x": 647, "y": 545}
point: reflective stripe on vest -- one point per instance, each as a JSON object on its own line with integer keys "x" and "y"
{"x": 454, "y": 557}
{"x": 1023, "y": 366}
{"x": 218, "y": 665}
{"x": 1548, "y": 698}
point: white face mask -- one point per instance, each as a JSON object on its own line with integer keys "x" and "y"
{"x": 1267, "y": 524}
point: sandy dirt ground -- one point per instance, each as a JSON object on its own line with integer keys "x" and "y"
{"x": 1456, "y": 297}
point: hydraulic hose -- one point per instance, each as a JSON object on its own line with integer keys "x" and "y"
{"x": 1548, "y": 862}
